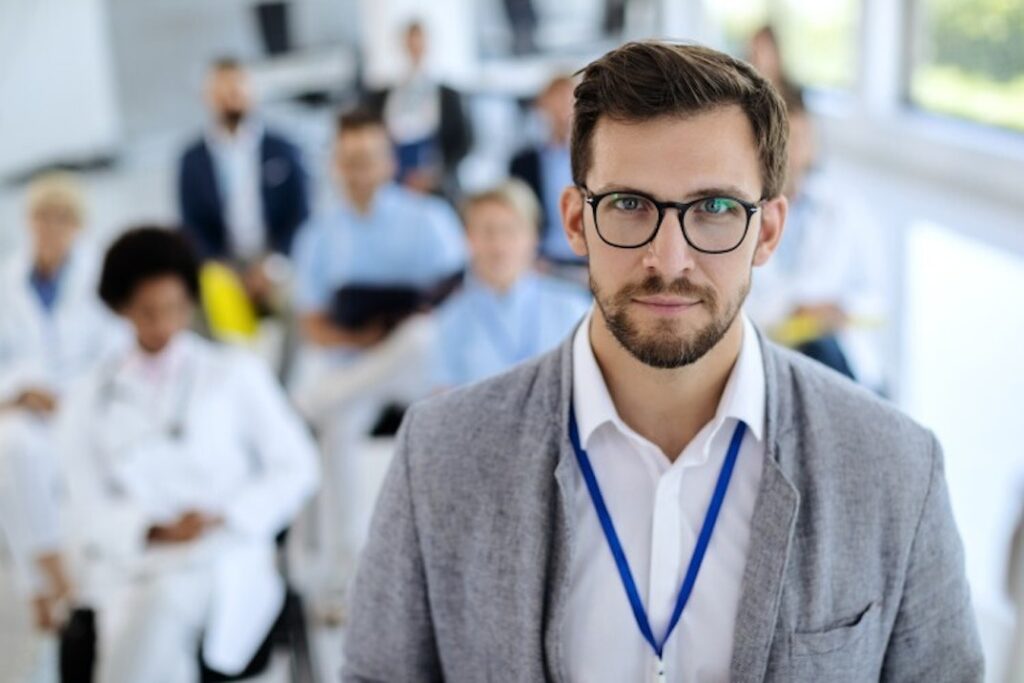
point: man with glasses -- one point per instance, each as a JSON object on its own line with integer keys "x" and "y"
{"x": 668, "y": 496}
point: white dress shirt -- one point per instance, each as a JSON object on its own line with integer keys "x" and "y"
{"x": 658, "y": 508}
{"x": 832, "y": 251}
{"x": 236, "y": 159}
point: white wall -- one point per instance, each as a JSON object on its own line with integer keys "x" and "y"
{"x": 56, "y": 83}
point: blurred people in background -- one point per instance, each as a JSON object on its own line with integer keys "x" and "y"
{"x": 242, "y": 188}
{"x": 380, "y": 234}
{"x": 522, "y": 22}
{"x": 824, "y": 291}
{"x": 426, "y": 120}
{"x": 183, "y": 462}
{"x": 546, "y": 169}
{"x": 53, "y": 329}
{"x": 765, "y": 55}
{"x": 505, "y": 313}
{"x": 360, "y": 270}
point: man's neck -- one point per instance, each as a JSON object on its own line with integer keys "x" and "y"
{"x": 667, "y": 407}
{"x": 47, "y": 270}
{"x": 362, "y": 204}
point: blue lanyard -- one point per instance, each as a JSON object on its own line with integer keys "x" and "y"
{"x": 711, "y": 517}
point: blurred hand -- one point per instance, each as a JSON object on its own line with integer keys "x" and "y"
{"x": 190, "y": 526}
{"x": 36, "y": 400}
{"x": 258, "y": 284}
{"x": 423, "y": 180}
{"x": 369, "y": 335}
{"x": 50, "y": 607}
{"x": 829, "y": 316}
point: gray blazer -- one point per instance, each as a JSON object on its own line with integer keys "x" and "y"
{"x": 855, "y": 569}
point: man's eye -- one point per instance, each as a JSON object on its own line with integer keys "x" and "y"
{"x": 718, "y": 206}
{"x": 627, "y": 203}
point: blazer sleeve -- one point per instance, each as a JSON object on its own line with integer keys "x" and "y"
{"x": 390, "y": 635}
{"x": 193, "y": 218}
{"x": 289, "y": 472}
{"x": 456, "y": 128}
{"x": 286, "y": 206}
{"x": 935, "y": 637}
{"x": 525, "y": 165}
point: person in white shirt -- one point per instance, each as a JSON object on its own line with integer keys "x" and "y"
{"x": 824, "y": 292}
{"x": 53, "y": 329}
{"x": 668, "y": 497}
{"x": 183, "y": 461}
{"x": 426, "y": 120}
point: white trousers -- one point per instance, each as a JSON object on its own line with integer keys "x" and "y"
{"x": 149, "y": 629}
{"x": 342, "y": 401}
{"x": 29, "y": 492}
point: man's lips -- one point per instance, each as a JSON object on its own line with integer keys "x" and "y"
{"x": 666, "y": 302}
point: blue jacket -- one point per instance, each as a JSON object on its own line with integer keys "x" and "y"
{"x": 284, "y": 189}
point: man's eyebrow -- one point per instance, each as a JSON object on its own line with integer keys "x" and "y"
{"x": 711, "y": 191}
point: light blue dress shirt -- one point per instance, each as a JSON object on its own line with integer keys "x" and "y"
{"x": 405, "y": 239}
{"x": 483, "y": 333}
{"x": 555, "y": 175}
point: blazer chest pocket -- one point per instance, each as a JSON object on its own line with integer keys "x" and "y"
{"x": 844, "y": 634}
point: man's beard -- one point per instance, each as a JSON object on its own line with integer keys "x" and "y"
{"x": 231, "y": 119}
{"x": 664, "y": 347}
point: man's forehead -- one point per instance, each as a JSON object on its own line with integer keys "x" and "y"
{"x": 674, "y": 155}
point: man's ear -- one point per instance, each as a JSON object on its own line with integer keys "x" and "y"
{"x": 572, "y": 207}
{"x": 773, "y": 220}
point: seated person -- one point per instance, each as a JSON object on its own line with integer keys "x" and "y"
{"x": 823, "y": 292}
{"x": 242, "y": 188}
{"x": 53, "y": 329}
{"x": 379, "y": 236}
{"x": 505, "y": 313}
{"x": 427, "y": 121}
{"x": 545, "y": 168}
{"x": 183, "y": 461}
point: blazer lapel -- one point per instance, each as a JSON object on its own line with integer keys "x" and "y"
{"x": 771, "y": 534}
{"x": 561, "y": 537}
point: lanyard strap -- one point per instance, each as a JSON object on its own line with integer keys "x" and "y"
{"x": 710, "y": 518}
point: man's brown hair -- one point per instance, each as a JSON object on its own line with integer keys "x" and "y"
{"x": 357, "y": 119}
{"x": 642, "y": 81}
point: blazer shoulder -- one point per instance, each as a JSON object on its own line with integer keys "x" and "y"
{"x": 491, "y": 413}
{"x": 278, "y": 143}
{"x": 194, "y": 150}
{"x": 828, "y": 408}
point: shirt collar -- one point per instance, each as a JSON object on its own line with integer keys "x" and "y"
{"x": 519, "y": 289}
{"x": 248, "y": 136}
{"x": 742, "y": 400}
{"x": 159, "y": 367}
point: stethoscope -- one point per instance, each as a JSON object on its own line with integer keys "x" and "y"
{"x": 175, "y": 429}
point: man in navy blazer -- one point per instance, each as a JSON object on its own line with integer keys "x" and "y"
{"x": 242, "y": 188}
{"x": 545, "y": 167}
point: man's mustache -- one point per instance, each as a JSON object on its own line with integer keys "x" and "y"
{"x": 655, "y": 284}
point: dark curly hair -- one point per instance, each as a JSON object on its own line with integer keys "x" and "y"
{"x": 143, "y": 253}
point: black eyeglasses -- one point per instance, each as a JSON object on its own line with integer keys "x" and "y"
{"x": 629, "y": 220}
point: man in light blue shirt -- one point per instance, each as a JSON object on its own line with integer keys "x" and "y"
{"x": 381, "y": 238}
{"x": 506, "y": 313}
{"x": 380, "y": 235}
{"x": 546, "y": 169}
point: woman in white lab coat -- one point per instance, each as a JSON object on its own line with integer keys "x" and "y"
{"x": 53, "y": 328}
{"x": 183, "y": 461}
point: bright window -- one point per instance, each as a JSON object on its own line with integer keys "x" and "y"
{"x": 818, "y": 38}
{"x": 968, "y": 60}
